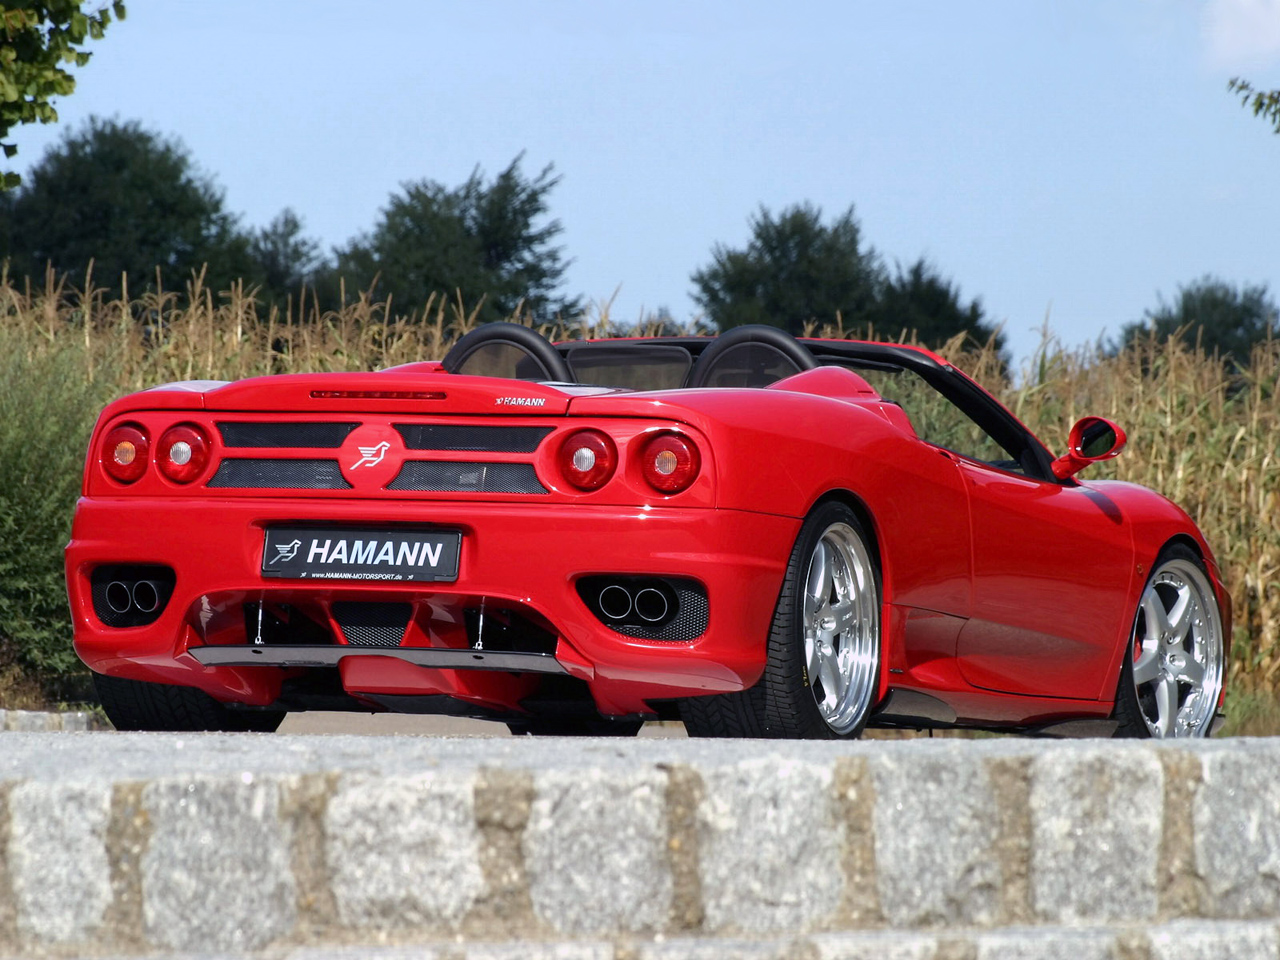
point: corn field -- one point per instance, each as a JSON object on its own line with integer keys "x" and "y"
{"x": 1205, "y": 437}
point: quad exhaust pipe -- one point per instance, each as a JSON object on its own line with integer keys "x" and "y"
{"x": 138, "y": 596}
{"x": 635, "y": 602}
{"x": 653, "y": 607}
{"x": 131, "y": 595}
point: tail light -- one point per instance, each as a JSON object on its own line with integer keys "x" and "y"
{"x": 588, "y": 459}
{"x": 183, "y": 453}
{"x": 670, "y": 462}
{"x": 125, "y": 451}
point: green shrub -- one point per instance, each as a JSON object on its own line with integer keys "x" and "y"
{"x": 47, "y": 409}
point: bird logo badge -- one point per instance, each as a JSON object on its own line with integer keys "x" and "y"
{"x": 371, "y": 456}
{"x": 287, "y": 551}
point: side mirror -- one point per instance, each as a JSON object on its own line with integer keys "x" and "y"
{"x": 1091, "y": 439}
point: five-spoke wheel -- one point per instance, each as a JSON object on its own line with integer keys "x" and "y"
{"x": 841, "y": 622}
{"x": 1172, "y": 675}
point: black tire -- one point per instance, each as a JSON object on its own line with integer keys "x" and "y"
{"x": 575, "y": 727}
{"x": 784, "y": 703}
{"x": 1138, "y": 712}
{"x": 133, "y": 705}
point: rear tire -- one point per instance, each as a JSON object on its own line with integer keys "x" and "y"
{"x": 133, "y": 705}
{"x": 823, "y": 671}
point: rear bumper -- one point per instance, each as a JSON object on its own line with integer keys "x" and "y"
{"x": 516, "y": 556}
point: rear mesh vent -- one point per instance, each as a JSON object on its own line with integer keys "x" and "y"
{"x": 289, "y": 435}
{"x": 688, "y": 620}
{"x": 280, "y": 475}
{"x": 372, "y": 624}
{"x": 467, "y": 478}
{"x": 689, "y": 623}
{"x": 481, "y": 439}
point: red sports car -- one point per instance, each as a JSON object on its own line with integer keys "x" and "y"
{"x": 759, "y": 535}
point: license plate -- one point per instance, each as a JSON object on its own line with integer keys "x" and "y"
{"x": 309, "y": 553}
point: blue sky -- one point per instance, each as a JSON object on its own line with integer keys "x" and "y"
{"x": 1068, "y": 159}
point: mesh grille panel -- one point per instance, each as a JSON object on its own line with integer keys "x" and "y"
{"x": 487, "y": 439}
{"x": 280, "y": 475}
{"x": 427, "y": 475}
{"x": 161, "y": 577}
{"x": 372, "y": 624}
{"x": 314, "y": 435}
{"x": 689, "y": 623}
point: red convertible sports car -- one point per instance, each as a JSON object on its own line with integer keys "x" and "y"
{"x": 759, "y": 535}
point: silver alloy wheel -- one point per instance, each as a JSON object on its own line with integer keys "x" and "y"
{"x": 841, "y": 628}
{"x": 1178, "y": 652}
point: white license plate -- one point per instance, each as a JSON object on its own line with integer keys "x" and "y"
{"x": 331, "y": 553}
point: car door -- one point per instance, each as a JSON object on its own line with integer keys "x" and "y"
{"x": 1052, "y": 564}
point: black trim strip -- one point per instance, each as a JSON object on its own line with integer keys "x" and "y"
{"x": 236, "y": 655}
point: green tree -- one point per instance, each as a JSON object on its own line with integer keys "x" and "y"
{"x": 1222, "y": 319}
{"x": 40, "y": 36}
{"x": 284, "y": 261}
{"x": 922, "y": 302}
{"x": 478, "y": 241}
{"x": 1263, "y": 104}
{"x": 128, "y": 199}
{"x": 793, "y": 271}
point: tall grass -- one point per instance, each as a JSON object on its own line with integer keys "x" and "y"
{"x": 1207, "y": 439}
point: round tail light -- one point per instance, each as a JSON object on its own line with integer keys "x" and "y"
{"x": 125, "y": 450}
{"x": 183, "y": 453}
{"x": 588, "y": 459}
{"x": 670, "y": 463}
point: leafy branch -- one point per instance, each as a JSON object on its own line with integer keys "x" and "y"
{"x": 1263, "y": 104}
{"x": 39, "y": 38}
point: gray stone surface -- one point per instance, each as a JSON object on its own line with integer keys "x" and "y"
{"x": 215, "y": 874}
{"x": 573, "y": 887}
{"x": 1207, "y": 940}
{"x": 1237, "y": 832}
{"x": 770, "y": 845}
{"x": 416, "y": 952}
{"x": 30, "y": 721}
{"x": 389, "y": 852}
{"x": 403, "y": 851}
{"x": 680, "y": 948}
{"x": 58, "y": 864}
{"x": 1048, "y": 943}
{"x": 935, "y": 827}
{"x": 539, "y": 951}
{"x": 874, "y": 946}
{"x": 1096, "y": 817}
{"x": 76, "y": 722}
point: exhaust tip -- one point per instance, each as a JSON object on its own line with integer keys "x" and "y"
{"x": 615, "y": 601}
{"x": 119, "y": 599}
{"x": 146, "y": 595}
{"x": 651, "y": 605}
